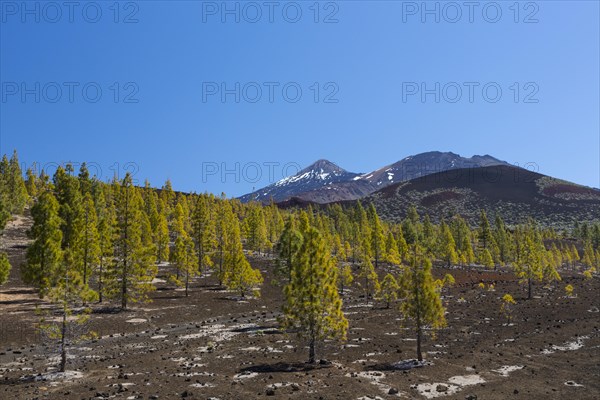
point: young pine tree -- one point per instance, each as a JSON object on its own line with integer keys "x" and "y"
{"x": 392, "y": 253}
{"x": 345, "y": 278}
{"x": 68, "y": 292}
{"x": 447, "y": 246}
{"x": 422, "y": 302}
{"x": 506, "y": 307}
{"x": 367, "y": 277}
{"x": 238, "y": 275}
{"x": 389, "y": 290}
{"x": 312, "y": 303}
{"x": 485, "y": 258}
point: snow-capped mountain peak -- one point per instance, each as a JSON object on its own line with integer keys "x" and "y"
{"x": 324, "y": 181}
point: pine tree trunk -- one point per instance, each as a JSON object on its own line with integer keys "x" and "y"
{"x": 529, "y": 288}
{"x": 200, "y": 256}
{"x": 124, "y": 292}
{"x": 187, "y": 282}
{"x": 419, "y": 354}
{"x": 63, "y": 347}
{"x": 311, "y": 347}
{"x": 100, "y": 284}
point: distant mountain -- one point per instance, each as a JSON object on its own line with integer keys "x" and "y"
{"x": 425, "y": 164}
{"x": 316, "y": 176}
{"x": 514, "y": 193}
{"x": 325, "y": 182}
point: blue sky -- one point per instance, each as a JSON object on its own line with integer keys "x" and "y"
{"x": 361, "y": 70}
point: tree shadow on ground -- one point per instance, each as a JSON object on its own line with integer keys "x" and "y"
{"x": 285, "y": 367}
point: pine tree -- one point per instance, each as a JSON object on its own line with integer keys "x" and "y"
{"x": 312, "y": 303}
{"x": 178, "y": 231}
{"x": 256, "y": 229}
{"x": 338, "y": 249}
{"x": 502, "y": 238}
{"x": 85, "y": 252}
{"x": 485, "y": 231}
{"x": 222, "y": 226}
{"x": 528, "y": 266}
{"x": 44, "y": 255}
{"x": 85, "y": 182}
{"x": 67, "y": 292}
{"x": 402, "y": 246}
{"x": 31, "y": 183}
{"x": 409, "y": 231}
{"x": 17, "y": 192}
{"x": 485, "y": 258}
{"x": 574, "y": 255}
{"x": 367, "y": 276}
{"x": 4, "y": 268}
{"x": 238, "y": 275}
{"x": 422, "y": 302}
{"x": 4, "y": 213}
{"x": 447, "y": 246}
{"x": 389, "y": 290}
{"x": 69, "y": 198}
{"x": 429, "y": 236}
{"x": 345, "y": 278}
{"x": 130, "y": 278}
{"x": 184, "y": 258}
{"x": 204, "y": 232}
{"x": 506, "y": 307}
{"x": 377, "y": 236}
{"x": 275, "y": 223}
{"x": 286, "y": 248}
{"x": 161, "y": 238}
{"x": 184, "y": 255}
{"x": 588, "y": 255}
{"x": 106, "y": 236}
{"x": 462, "y": 239}
{"x": 392, "y": 253}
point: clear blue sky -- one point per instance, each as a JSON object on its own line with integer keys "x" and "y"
{"x": 369, "y": 57}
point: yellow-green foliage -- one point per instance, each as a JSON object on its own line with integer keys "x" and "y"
{"x": 312, "y": 303}
{"x": 485, "y": 258}
{"x": 238, "y": 275}
{"x": 422, "y": 303}
{"x": 506, "y": 307}
{"x": 389, "y": 289}
{"x": 569, "y": 290}
{"x": 589, "y": 273}
{"x": 368, "y": 278}
{"x": 345, "y": 277}
{"x": 4, "y": 268}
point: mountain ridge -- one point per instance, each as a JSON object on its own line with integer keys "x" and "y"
{"x": 324, "y": 181}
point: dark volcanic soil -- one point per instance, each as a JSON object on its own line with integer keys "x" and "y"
{"x": 211, "y": 345}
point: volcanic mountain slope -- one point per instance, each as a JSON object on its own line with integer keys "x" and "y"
{"x": 425, "y": 164}
{"x": 514, "y": 193}
{"x": 325, "y": 182}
